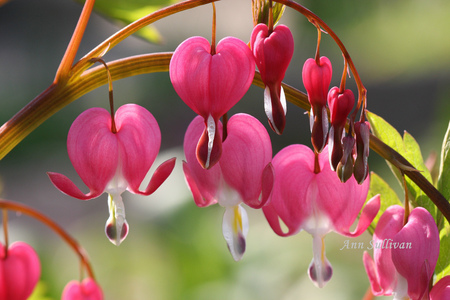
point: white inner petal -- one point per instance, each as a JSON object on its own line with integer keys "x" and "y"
{"x": 211, "y": 129}
{"x": 283, "y": 100}
{"x": 235, "y": 229}
{"x": 268, "y": 104}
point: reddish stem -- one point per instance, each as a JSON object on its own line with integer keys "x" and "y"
{"x": 319, "y": 38}
{"x": 213, "y": 35}
{"x": 72, "y": 48}
{"x": 270, "y": 17}
{"x": 5, "y": 204}
{"x": 316, "y": 163}
{"x": 343, "y": 79}
{"x": 313, "y": 18}
{"x": 110, "y": 90}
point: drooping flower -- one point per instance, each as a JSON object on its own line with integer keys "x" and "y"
{"x": 317, "y": 202}
{"x": 273, "y": 52}
{"x": 316, "y": 79}
{"x": 244, "y": 174}
{"x": 88, "y": 289}
{"x": 210, "y": 84}
{"x": 113, "y": 162}
{"x": 404, "y": 256}
{"x": 340, "y": 104}
{"x": 20, "y": 270}
{"x": 441, "y": 290}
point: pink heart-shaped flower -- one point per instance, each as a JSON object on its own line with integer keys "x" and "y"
{"x": 210, "y": 84}
{"x": 20, "y": 270}
{"x": 88, "y": 289}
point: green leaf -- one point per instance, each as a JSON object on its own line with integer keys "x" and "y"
{"x": 387, "y": 196}
{"x": 443, "y": 264}
{"x": 126, "y": 12}
{"x": 409, "y": 149}
{"x": 389, "y": 135}
{"x": 443, "y": 183}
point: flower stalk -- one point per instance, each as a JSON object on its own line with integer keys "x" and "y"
{"x": 22, "y": 208}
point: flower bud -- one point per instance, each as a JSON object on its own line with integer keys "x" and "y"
{"x": 317, "y": 79}
{"x": 340, "y": 105}
{"x": 361, "y": 167}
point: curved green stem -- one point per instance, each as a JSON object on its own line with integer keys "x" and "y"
{"x": 54, "y": 98}
{"x": 22, "y": 208}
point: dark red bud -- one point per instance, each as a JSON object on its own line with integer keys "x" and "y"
{"x": 361, "y": 167}
{"x": 344, "y": 168}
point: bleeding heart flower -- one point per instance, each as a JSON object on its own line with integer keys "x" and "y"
{"x": 441, "y": 290}
{"x": 244, "y": 174}
{"x": 317, "y": 79}
{"x": 20, "y": 270}
{"x": 273, "y": 52}
{"x": 113, "y": 162}
{"x": 317, "y": 202}
{"x": 404, "y": 256}
{"x": 210, "y": 84}
{"x": 88, "y": 289}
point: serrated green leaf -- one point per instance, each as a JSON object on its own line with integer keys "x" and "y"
{"x": 389, "y": 135}
{"x": 409, "y": 149}
{"x": 443, "y": 183}
{"x": 443, "y": 264}
{"x": 126, "y": 12}
{"x": 387, "y": 196}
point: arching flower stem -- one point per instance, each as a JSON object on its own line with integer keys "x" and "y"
{"x": 14, "y": 206}
{"x": 313, "y": 18}
{"x": 110, "y": 93}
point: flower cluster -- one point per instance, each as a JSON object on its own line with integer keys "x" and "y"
{"x": 229, "y": 161}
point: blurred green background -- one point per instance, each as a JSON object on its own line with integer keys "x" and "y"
{"x": 175, "y": 250}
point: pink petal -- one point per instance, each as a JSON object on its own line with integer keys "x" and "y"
{"x": 417, "y": 262}
{"x": 316, "y": 79}
{"x": 441, "y": 290}
{"x": 273, "y": 53}
{"x": 189, "y": 73}
{"x": 247, "y": 151}
{"x": 211, "y": 84}
{"x": 342, "y": 202}
{"x": 384, "y": 279}
{"x": 202, "y": 183}
{"x": 93, "y": 151}
{"x": 294, "y": 172}
{"x": 139, "y": 140}
{"x": 232, "y": 72}
{"x": 372, "y": 273}
{"x": 66, "y": 186}
{"x": 88, "y": 289}
{"x": 160, "y": 175}
{"x": 19, "y": 271}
